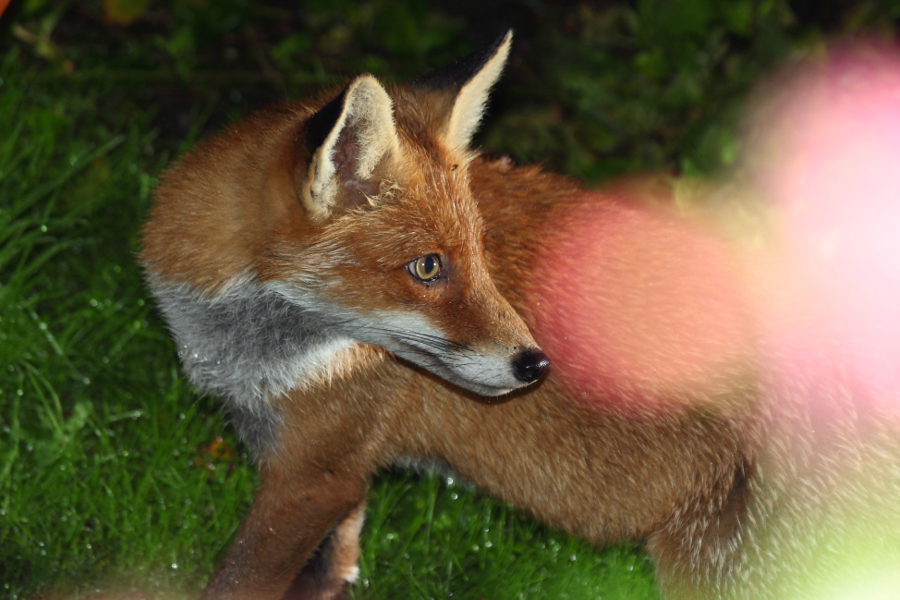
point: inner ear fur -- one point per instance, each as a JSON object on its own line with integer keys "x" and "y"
{"x": 351, "y": 135}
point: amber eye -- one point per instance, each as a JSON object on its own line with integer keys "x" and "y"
{"x": 426, "y": 268}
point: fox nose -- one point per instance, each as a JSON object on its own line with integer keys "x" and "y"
{"x": 530, "y": 365}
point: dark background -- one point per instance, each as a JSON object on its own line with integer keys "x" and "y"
{"x": 594, "y": 88}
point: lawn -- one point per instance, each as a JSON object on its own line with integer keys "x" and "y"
{"x": 115, "y": 475}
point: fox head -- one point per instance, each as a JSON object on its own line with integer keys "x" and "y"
{"x": 385, "y": 244}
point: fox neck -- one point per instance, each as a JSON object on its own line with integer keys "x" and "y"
{"x": 249, "y": 345}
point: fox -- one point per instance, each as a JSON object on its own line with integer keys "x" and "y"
{"x": 364, "y": 289}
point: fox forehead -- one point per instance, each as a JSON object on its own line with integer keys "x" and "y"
{"x": 445, "y": 196}
{"x": 429, "y": 208}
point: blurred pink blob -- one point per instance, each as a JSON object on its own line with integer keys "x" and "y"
{"x": 789, "y": 321}
{"x": 829, "y": 161}
{"x": 639, "y": 308}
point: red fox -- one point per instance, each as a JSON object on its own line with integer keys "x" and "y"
{"x": 363, "y": 289}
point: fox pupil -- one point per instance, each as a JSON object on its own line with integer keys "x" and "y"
{"x": 426, "y": 268}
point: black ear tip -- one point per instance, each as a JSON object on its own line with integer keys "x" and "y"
{"x": 504, "y": 36}
{"x": 455, "y": 75}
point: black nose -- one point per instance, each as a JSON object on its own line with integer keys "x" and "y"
{"x": 530, "y": 365}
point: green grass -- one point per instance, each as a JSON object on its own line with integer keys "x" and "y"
{"x": 431, "y": 537}
{"x": 111, "y": 475}
{"x": 99, "y": 430}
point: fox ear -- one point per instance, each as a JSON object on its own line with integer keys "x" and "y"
{"x": 351, "y": 135}
{"x": 472, "y": 78}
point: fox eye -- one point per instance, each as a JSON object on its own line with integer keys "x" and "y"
{"x": 426, "y": 268}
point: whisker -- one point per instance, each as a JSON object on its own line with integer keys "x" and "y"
{"x": 425, "y": 339}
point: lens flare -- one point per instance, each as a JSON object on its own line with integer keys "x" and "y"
{"x": 640, "y": 308}
{"x": 790, "y": 330}
{"x": 826, "y": 157}
{"x": 829, "y": 163}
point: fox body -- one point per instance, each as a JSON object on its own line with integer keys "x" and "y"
{"x": 358, "y": 285}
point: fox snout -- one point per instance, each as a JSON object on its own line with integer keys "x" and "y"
{"x": 488, "y": 367}
{"x": 487, "y": 373}
{"x": 530, "y": 365}
{"x": 494, "y": 352}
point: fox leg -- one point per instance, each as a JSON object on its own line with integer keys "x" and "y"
{"x": 334, "y": 566}
{"x": 293, "y": 511}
